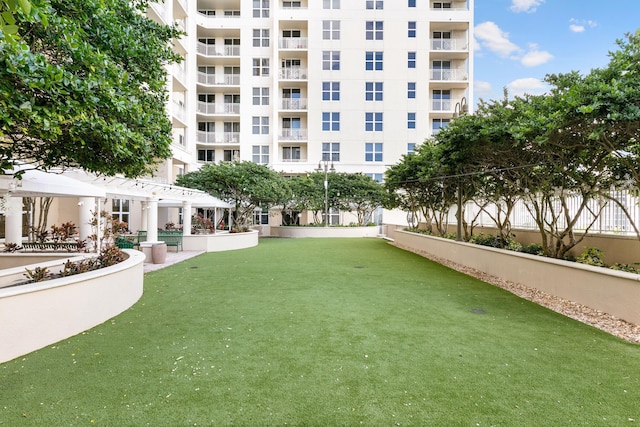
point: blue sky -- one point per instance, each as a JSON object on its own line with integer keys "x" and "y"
{"x": 518, "y": 42}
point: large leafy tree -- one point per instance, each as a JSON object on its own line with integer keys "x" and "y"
{"x": 86, "y": 90}
{"x": 246, "y": 185}
{"x": 356, "y": 192}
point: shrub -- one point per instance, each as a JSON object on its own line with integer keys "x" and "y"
{"x": 533, "y": 249}
{"x": 626, "y": 267}
{"x": 592, "y": 256}
{"x": 38, "y": 274}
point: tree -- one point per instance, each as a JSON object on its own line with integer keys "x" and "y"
{"x": 246, "y": 185}
{"x": 86, "y": 90}
{"x": 356, "y": 192}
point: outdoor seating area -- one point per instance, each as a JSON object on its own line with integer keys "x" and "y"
{"x": 172, "y": 238}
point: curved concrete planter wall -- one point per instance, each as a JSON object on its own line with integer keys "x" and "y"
{"x": 220, "y": 242}
{"x": 36, "y": 315}
{"x": 613, "y": 292}
{"x": 298, "y": 232}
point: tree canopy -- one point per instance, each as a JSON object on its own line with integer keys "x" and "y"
{"x": 83, "y": 84}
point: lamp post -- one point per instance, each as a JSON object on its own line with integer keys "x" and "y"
{"x": 324, "y": 165}
{"x": 460, "y": 109}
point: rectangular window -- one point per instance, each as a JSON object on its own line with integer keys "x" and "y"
{"x": 261, "y": 67}
{"x": 260, "y": 8}
{"x": 331, "y": 91}
{"x": 260, "y": 125}
{"x": 373, "y": 91}
{"x": 207, "y": 126}
{"x": 261, "y": 37}
{"x": 331, "y": 60}
{"x": 373, "y": 151}
{"x": 231, "y": 155}
{"x": 412, "y": 3}
{"x": 442, "y": 5}
{"x": 374, "y": 30}
{"x": 411, "y": 148}
{"x": 373, "y": 61}
{"x": 331, "y": 151}
{"x": 290, "y": 154}
{"x": 373, "y": 122}
{"x": 411, "y": 120}
{"x": 331, "y": 4}
{"x": 260, "y": 154}
{"x": 412, "y": 29}
{"x": 438, "y": 124}
{"x": 260, "y": 96}
{"x": 262, "y": 215}
{"x": 330, "y": 30}
{"x": 331, "y": 122}
{"x": 441, "y": 100}
{"x": 120, "y": 210}
{"x": 207, "y": 156}
{"x": 375, "y": 4}
{"x": 412, "y": 60}
{"x": 411, "y": 90}
{"x": 441, "y": 70}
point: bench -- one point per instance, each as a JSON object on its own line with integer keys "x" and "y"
{"x": 169, "y": 237}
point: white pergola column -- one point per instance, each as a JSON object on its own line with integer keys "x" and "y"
{"x": 152, "y": 220}
{"x": 13, "y": 220}
{"x": 143, "y": 222}
{"x": 86, "y": 207}
{"x": 186, "y": 218}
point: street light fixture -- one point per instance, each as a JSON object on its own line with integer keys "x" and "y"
{"x": 461, "y": 108}
{"x": 324, "y": 165}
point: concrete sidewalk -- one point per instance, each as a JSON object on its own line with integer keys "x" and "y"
{"x": 172, "y": 258}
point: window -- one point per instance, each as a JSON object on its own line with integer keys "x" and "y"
{"x": 291, "y": 4}
{"x": 261, "y": 216}
{"x": 412, "y": 60}
{"x": 331, "y": 91}
{"x": 232, "y": 103}
{"x": 260, "y": 154}
{"x": 330, "y": 30}
{"x": 207, "y": 156}
{"x": 331, "y": 151}
{"x": 206, "y": 126}
{"x": 260, "y": 125}
{"x": 441, "y": 100}
{"x": 412, "y": 3}
{"x": 375, "y": 176}
{"x": 373, "y": 4}
{"x": 261, "y": 37}
{"x": 373, "y": 151}
{"x": 442, "y": 40}
{"x": 411, "y": 90}
{"x": 207, "y": 12}
{"x": 260, "y": 8}
{"x": 373, "y": 91}
{"x": 373, "y": 122}
{"x": 411, "y": 148}
{"x": 331, "y": 122}
{"x": 120, "y": 210}
{"x": 261, "y": 67}
{"x": 291, "y": 99}
{"x": 374, "y": 30}
{"x": 231, "y": 13}
{"x": 412, "y": 29}
{"x": 231, "y": 155}
{"x": 373, "y": 61}
{"x": 291, "y": 34}
{"x": 441, "y": 70}
{"x": 438, "y": 124}
{"x": 442, "y": 5}
{"x": 331, "y": 60}
{"x": 331, "y": 4}
{"x": 260, "y": 96}
{"x": 411, "y": 120}
{"x": 290, "y": 154}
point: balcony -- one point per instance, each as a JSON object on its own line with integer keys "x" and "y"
{"x": 213, "y": 50}
{"x": 293, "y": 104}
{"x": 441, "y": 105}
{"x": 213, "y": 138}
{"x": 458, "y": 44}
{"x": 178, "y": 110}
{"x": 450, "y": 6}
{"x": 294, "y": 43}
{"x": 216, "y": 108}
{"x": 293, "y": 74}
{"x": 293, "y": 135}
{"x": 449, "y": 74}
{"x": 284, "y": 160}
{"x": 219, "y": 80}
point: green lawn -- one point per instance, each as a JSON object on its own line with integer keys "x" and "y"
{"x": 326, "y": 332}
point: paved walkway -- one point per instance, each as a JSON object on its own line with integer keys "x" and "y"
{"x": 173, "y": 257}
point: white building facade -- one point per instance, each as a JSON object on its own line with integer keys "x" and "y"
{"x": 290, "y": 83}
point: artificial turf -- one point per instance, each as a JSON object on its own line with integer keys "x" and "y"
{"x": 326, "y": 332}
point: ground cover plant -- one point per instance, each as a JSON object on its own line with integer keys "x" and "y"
{"x": 326, "y": 332}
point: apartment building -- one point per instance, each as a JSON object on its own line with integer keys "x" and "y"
{"x": 291, "y": 83}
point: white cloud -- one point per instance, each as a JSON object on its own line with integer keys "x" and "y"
{"x": 489, "y": 35}
{"x": 580, "y": 25}
{"x": 528, "y": 6}
{"x": 535, "y": 57}
{"x": 577, "y": 28}
{"x": 530, "y": 85}
{"x": 482, "y": 89}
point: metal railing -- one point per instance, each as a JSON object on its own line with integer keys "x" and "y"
{"x": 292, "y": 134}
{"x": 294, "y": 43}
{"x": 294, "y": 104}
{"x": 214, "y": 79}
{"x": 203, "y": 137}
{"x": 449, "y": 44}
{"x": 450, "y": 74}
{"x": 293, "y": 74}
{"x": 215, "y": 108}
{"x": 213, "y": 50}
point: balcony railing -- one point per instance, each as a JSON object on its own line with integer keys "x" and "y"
{"x": 213, "y": 50}
{"x": 441, "y": 104}
{"x": 446, "y": 75}
{"x": 177, "y": 108}
{"x": 232, "y": 138}
{"x": 294, "y": 43}
{"x": 449, "y": 44}
{"x": 293, "y": 134}
{"x": 294, "y": 160}
{"x": 214, "y": 79}
{"x": 221, "y": 14}
{"x": 216, "y": 108}
{"x": 293, "y": 74}
{"x": 294, "y": 104}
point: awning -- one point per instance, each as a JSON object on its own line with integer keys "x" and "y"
{"x": 203, "y": 202}
{"x": 36, "y": 183}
